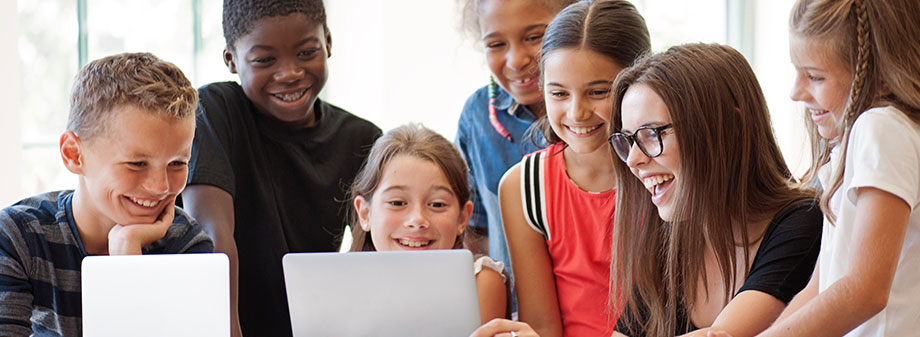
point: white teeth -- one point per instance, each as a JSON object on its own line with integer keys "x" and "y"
{"x": 581, "y": 131}
{"x": 145, "y": 203}
{"x": 292, "y": 96}
{"x": 656, "y": 180}
{"x": 413, "y": 243}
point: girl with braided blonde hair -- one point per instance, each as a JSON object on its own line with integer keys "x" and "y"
{"x": 858, "y": 73}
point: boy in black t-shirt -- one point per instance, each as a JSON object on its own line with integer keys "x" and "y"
{"x": 270, "y": 161}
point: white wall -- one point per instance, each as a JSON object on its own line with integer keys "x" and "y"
{"x": 10, "y": 136}
{"x": 424, "y": 75}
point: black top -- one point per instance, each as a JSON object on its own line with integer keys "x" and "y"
{"x": 783, "y": 264}
{"x": 288, "y": 187}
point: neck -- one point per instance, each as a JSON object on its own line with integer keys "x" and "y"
{"x": 93, "y": 230}
{"x": 538, "y": 109}
{"x": 592, "y": 171}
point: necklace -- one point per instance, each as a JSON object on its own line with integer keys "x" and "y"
{"x": 493, "y": 116}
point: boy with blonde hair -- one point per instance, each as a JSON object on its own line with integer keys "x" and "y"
{"x": 128, "y": 138}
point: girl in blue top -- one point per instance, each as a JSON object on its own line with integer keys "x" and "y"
{"x": 491, "y": 133}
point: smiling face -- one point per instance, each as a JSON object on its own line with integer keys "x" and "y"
{"x": 133, "y": 171}
{"x": 641, "y": 106}
{"x": 512, "y": 31}
{"x": 282, "y": 66}
{"x": 577, "y": 93}
{"x": 822, "y": 82}
{"x": 413, "y": 207}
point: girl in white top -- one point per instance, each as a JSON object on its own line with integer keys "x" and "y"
{"x": 413, "y": 194}
{"x": 858, "y": 73}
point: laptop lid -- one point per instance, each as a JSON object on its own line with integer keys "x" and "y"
{"x": 156, "y": 295}
{"x": 419, "y": 293}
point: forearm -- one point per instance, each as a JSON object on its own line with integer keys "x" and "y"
{"x": 841, "y": 308}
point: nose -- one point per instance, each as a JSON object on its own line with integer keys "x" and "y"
{"x": 798, "y": 93}
{"x": 636, "y": 156}
{"x": 418, "y": 218}
{"x": 580, "y": 109}
{"x": 289, "y": 72}
{"x": 519, "y": 57}
{"x": 157, "y": 182}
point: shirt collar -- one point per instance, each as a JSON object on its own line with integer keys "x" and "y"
{"x": 504, "y": 101}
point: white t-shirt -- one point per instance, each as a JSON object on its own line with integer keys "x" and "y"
{"x": 883, "y": 153}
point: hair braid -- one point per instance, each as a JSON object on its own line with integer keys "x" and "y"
{"x": 858, "y": 101}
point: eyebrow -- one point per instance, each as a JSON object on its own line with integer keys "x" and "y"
{"x": 592, "y": 83}
{"x": 298, "y": 44}
{"x": 403, "y": 188}
{"x": 651, "y": 124}
{"x": 526, "y": 29}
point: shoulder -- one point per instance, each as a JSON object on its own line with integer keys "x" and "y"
{"x": 511, "y": 180}
{"x": 227, "y": 89}
{"x": 185, "y": 235}
{"x": 347, "y": 121}
{"x": 477, "y": 102}
{"x": 33, "y": 211}
{"x": 885, "y": 122}
{"x": 802, "y": 217}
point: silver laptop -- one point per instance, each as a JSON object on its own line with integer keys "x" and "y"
{"x": 382, "y": 294}
{"x": 156, "y": 295}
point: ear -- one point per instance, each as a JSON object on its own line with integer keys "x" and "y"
{"x": 228, "y": 60}
{"x": 883, "y": 88}
{"x": 362, "y": 207}
{"x": 465, "y": 215}
{"x": 328, "y": 43}
{"x": 71, "y": 154}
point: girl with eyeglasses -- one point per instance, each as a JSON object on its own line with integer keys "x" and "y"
{"x": 711, "y": 230}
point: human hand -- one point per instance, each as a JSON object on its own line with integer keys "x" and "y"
{"x": 717, "y": 334}
{"x": 130, "y": 239}
{"x": 504, "y": 328}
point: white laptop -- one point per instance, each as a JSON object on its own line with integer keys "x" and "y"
{"x": 156, "y": 295}
{"x": 382, "y": 294}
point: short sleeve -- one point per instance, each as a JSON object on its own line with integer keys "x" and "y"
{"x": 787, "y": 254}
{"x": 210, "y": 163}
{"x": 884, "y": 153}
{"x": 488, "y": 262}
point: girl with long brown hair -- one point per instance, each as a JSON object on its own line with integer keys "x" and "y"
{"x": 711, "y": 229}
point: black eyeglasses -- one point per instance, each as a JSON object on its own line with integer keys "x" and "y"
{"x": 648, "y": 138}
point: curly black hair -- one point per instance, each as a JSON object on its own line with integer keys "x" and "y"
{"x": 240, "y": 16}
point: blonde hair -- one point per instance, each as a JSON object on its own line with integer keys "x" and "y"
{"x": 732, "y": 173}
{"x": 867, "y": 37}
{"x": 417, "y": 141}
{"x": 137, "y": 79}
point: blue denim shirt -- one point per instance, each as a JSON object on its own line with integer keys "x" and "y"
{"x": 489, "y": 155}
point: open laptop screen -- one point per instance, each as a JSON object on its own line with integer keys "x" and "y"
{"x": 426, "y": 293}
{"x": 156, "y": 295}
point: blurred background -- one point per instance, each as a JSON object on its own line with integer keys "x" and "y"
{"x": 393, "y": 62}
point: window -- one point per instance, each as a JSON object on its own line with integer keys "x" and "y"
{"x": 388, "y": 65}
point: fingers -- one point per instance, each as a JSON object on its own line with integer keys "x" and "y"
{"x": 503, "y": 328}
{"x": 168, "y": 213}
{"x": 717, "y": 334}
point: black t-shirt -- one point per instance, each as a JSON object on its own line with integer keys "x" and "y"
{"x": 288, "y": 187}
{"x": 782, "y": 265}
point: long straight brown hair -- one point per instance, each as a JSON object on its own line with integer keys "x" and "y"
{"x": 731, "y": 174}
{"x": 867, "y": 37}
